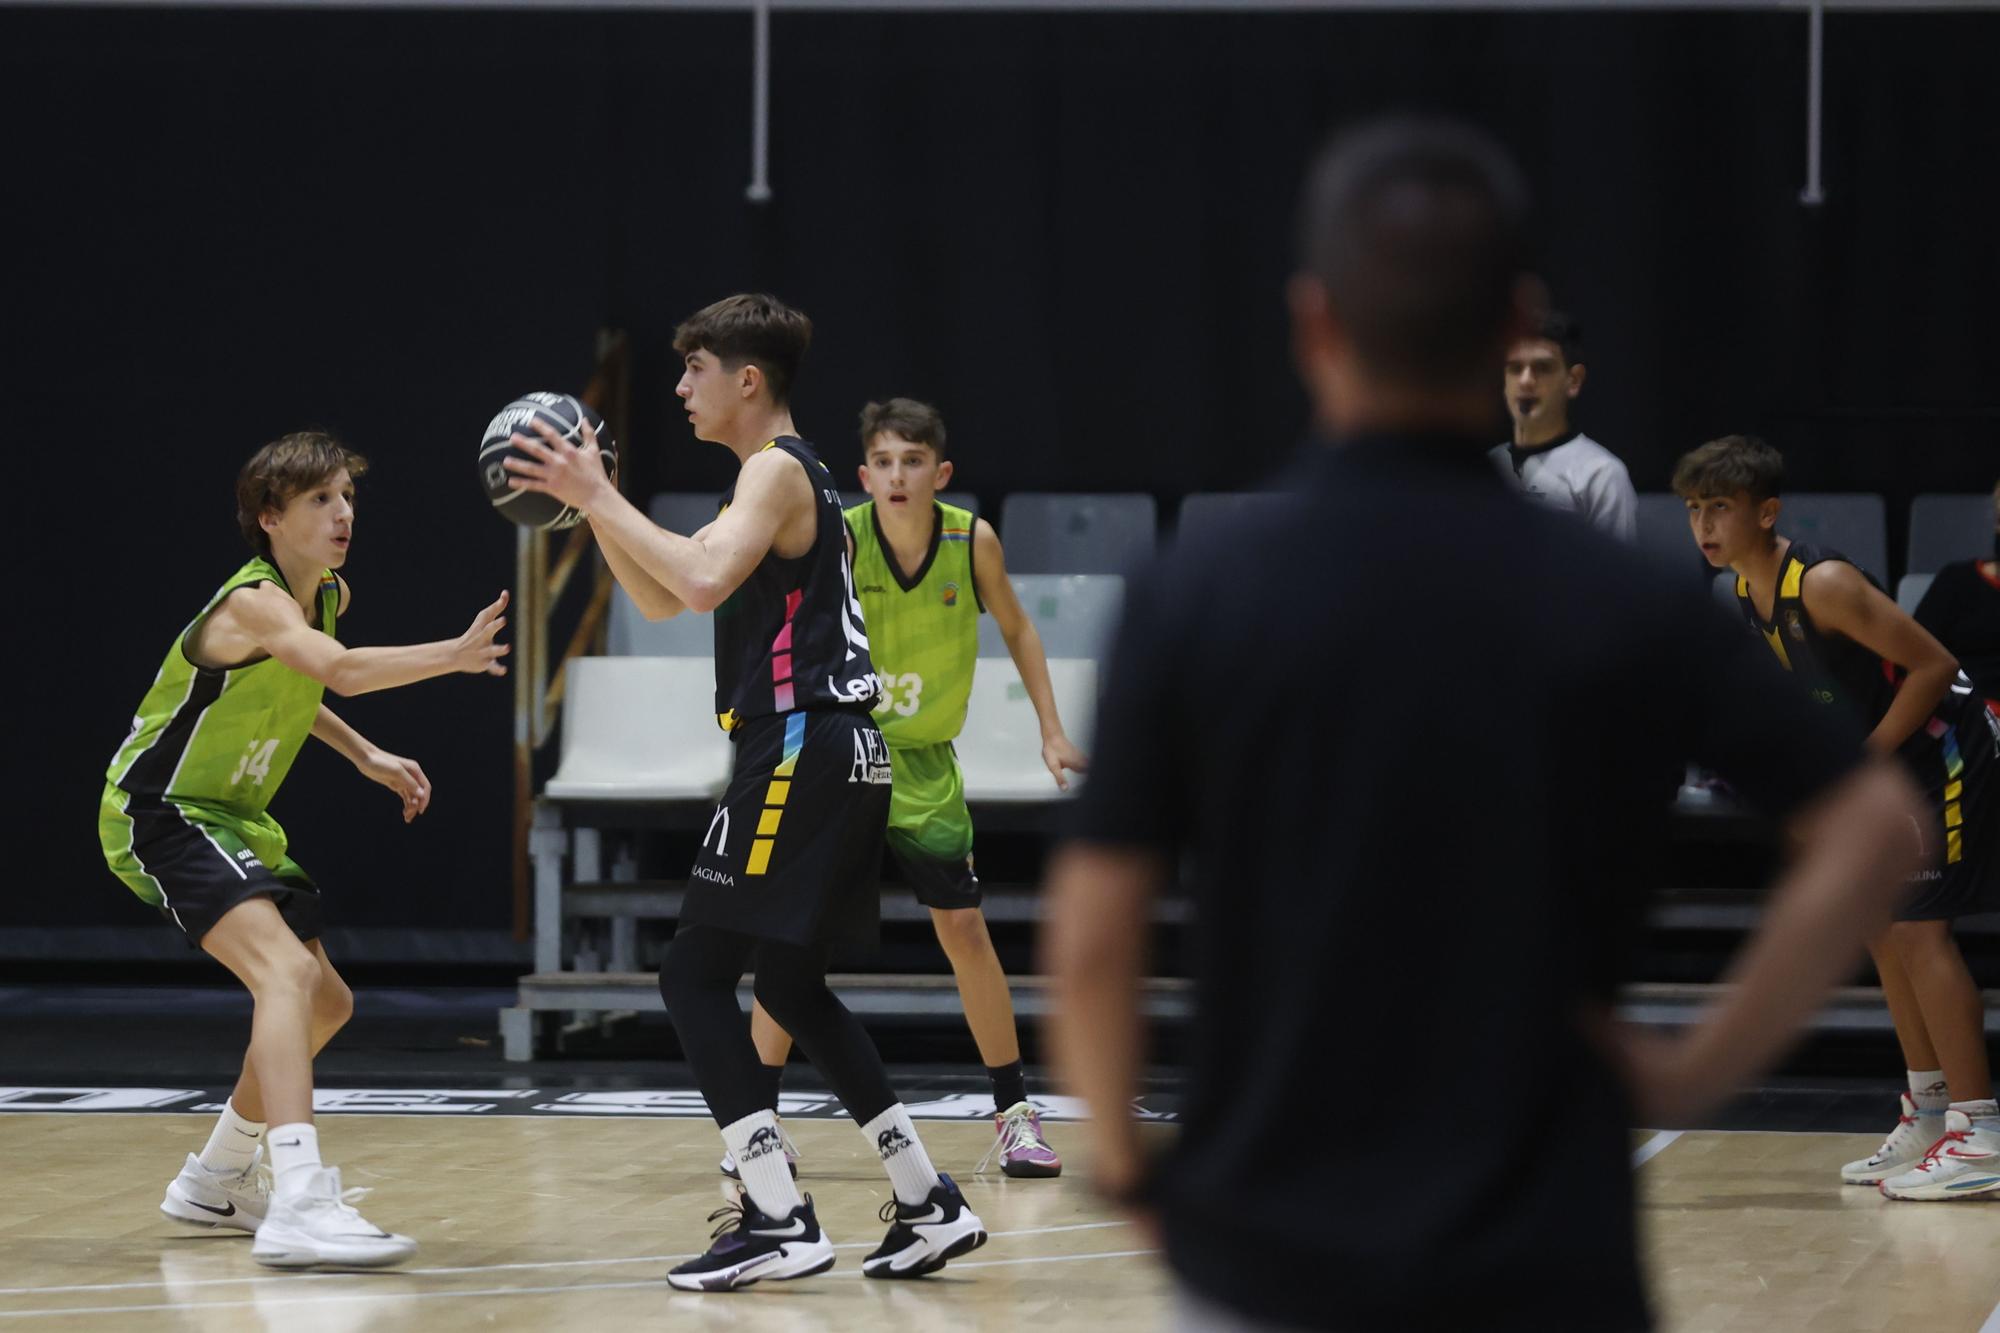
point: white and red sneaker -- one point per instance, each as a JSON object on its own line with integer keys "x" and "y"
{"x": 1962, "y": 1164}
{"x": 1907, "y": 1145}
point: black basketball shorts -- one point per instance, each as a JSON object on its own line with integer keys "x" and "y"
{"x": 1961, "y": 781}
{"x": 195, "y": 868}
{"x": 793, "y": 850}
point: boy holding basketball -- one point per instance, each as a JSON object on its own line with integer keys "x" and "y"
{"x": 792, "y": 847}
{"x": 184, "y": 822}
{"x": 926, "y": 570}
{"x": 1853, "y": 649}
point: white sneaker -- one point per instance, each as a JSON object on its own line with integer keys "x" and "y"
{"x": 318, "y": 1225}
{"x": 1906, "y": 1145}
{"x": 207, "y": 1198}
{"x": 791, "y": 1156}
{"x": 1965, "y": 1162}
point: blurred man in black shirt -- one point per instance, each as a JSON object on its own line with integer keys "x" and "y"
{"x": 1413, "y": 743}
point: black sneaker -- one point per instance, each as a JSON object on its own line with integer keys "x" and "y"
{"x": 750, "y": 1247}
{"x": 923, "y": 1236}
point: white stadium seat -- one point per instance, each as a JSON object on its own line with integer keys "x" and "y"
{"x": 640, "y": 729}
{"x": 1000, "y": 750}
{"x": 1075, "y": 614}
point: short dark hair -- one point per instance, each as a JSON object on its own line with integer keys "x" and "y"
{"x": 1556, "y": 327}
{"x": 753, "y": 328}
{"x": 917, "y": 422}
{"x": 1728, "y": 465}
{"x": 286, "y": 467}
{"x": 1417, "y": 229}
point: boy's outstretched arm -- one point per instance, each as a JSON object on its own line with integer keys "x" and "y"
{"x": 1024, "y": 645}
{"x": 264, "y": 618}
{"x": 402, "y": 776}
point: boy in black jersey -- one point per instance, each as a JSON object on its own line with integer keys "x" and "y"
{"x": 1853, "y": 648}
{"x": 794, "y": 842}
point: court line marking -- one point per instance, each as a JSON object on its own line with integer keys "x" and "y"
{"x": 1992, "y": 1324}
{"x": 348, "y": 1297}
{"x": 479, "y": 1268}
{"x": 1654, "y": 1146}
{"x": 562, "y": 1117}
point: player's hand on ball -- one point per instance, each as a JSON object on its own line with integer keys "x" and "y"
{"x": 402, "y": 776}
{"x": 475, "y": 650}
{"x": 572, "y": 473}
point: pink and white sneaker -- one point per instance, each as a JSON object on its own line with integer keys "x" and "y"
{"x": 1023, "y": 1152}
{"x": 1962, "y": 1164}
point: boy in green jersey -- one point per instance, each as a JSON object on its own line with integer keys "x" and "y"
{"x": 184, "y": 823}
{"x": 925, "y": 571}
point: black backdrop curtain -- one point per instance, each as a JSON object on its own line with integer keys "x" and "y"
{"x": 1070, "y": 230}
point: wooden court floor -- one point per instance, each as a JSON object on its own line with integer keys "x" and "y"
{"x": 543, "y": 1223}
{"x": 537, "y": 1223}
{"x": 1750, "y": 1231}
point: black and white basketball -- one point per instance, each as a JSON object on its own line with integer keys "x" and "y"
{"x": 564, "y": 413}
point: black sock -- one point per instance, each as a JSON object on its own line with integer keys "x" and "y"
{"x": 1010, "y": 1085}
{"x": 773, "y": 1076}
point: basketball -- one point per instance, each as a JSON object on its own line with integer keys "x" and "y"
{"x": 566, "y": 414}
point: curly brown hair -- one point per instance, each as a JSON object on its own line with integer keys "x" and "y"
{"x": 1731, "y": 464}
{"x": 288, "y": 466}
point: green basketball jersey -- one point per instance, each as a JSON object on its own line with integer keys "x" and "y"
{"x": 219, "y": 742}
{"x": 923, "y": 633}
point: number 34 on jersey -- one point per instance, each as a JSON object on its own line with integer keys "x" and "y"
{"x": 255, "y": 763}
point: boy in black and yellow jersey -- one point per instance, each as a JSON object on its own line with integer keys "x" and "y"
{"x": 1853, "y": 648}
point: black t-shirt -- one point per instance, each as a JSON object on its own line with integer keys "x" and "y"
{"x": 790, "y": 637}
{"x": 1414, "y": 743}
{"x": 1961, "y": 609}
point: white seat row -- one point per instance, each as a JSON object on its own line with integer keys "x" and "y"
{"x": 643, "y": 729}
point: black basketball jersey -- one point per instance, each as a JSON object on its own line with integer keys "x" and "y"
{"x": 790, "y": 638}
{"x": 1834, "y": 668}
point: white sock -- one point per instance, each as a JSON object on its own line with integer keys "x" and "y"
{"x": 232, "y": 1144}
{"x": 759, "y": 1150}
{"x": 1929, "y": 1091}
{"x": 294, "y": 1155}
{"x": 910, "y": 1171}
{"x": 1984, "y": 1114}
